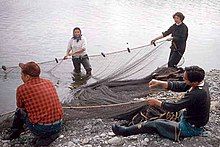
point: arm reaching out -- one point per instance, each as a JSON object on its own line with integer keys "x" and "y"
{"x": 156, "y": 83}
{"x": 155, "y": 39}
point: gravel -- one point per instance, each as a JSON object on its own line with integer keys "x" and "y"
{"x": 98, "y": 133}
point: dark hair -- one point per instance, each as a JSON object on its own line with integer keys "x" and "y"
{"x": 195, "y": 73}
{"x": 180, "y": 15}
{"x": 77, "y": 38}
{"x": 77, "y": 28}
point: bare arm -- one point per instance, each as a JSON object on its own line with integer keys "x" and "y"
{"x": 157, "y": 83}
{"x": 78, "y": 51}
{"x": 153, "y": 102}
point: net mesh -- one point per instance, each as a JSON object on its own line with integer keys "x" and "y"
{"x": 118, "y": 79}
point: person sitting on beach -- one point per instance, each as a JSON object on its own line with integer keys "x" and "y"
{"x": 38, "y": 107}
{"x": 179, "y": 33}
{"x": 196, "y": 103}
{"x": 77, "y": 49}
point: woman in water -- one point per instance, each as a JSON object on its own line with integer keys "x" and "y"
{"x": 179, "y": 34}
{"x": 77, "y": 49}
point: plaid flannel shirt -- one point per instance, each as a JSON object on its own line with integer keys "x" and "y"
{"x": 39, "y": 98}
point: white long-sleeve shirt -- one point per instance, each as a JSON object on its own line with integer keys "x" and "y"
{"x": 73, "y": 46}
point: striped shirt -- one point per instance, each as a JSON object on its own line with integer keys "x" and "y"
{"x": 39, "y": 98}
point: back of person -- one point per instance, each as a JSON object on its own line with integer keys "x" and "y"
{"x": 41, "y": 101}
{"x": 198, "y": 113}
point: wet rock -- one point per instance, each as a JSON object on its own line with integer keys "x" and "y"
{"x": 116, "y": 141}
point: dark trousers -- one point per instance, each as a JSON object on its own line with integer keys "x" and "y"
{"x": 84, "y": 60}
{"x": 166, "y": 128}
{"x": 43, "y": 131}
{"x": 174, "y": 58}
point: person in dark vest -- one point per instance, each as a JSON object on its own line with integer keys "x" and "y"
{"x": 196, "y": 103}
{"x": 77, "y": 49}
{"x": 179, "y": 35}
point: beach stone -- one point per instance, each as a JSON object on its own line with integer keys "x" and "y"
{"x": 5, "y": 145}
{"x": 131, "y": 146}
{"x": 85, "y": 141}
{"x": 116, "y": 141}
{"x": 99, "y": 121}
{"x": 215, "y": 105}
{"x": 61, "y": 136}
{"x": 111, "y": 134}
{"x": 145, "y": 141}
{"x": 88, "y": 145}
{"x": 73, "y": 133}
{"x": 76, "y": 141}
{"x": 96, "y": 137}
{"x": 5, "y": 141}
{"x": 70, "y": 144}
{"x": 133, "y": 137}
{"x": 87, "y": 127}
{"x": 103, "y": 135}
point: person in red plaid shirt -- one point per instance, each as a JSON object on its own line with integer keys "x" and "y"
{"x": 38, "y": 107}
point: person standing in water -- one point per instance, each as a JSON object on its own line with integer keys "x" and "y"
{"x": 77, "y": 49}
{"x": 179, "y": 35}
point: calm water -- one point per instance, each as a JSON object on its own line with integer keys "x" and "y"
{"x": 39, "y": 30}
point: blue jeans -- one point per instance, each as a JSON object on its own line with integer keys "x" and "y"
{"x": 187, "y": 130}
{"x": 43, "y": 131}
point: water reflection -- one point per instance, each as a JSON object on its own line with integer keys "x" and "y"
{"x": 40, "y": 30}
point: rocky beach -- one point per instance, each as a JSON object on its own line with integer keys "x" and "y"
{"x": 98, "y": 133}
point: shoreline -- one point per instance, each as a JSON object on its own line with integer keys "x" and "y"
{"x": 97, "y": 132}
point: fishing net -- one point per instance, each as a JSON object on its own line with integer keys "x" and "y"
{"x": 117, "y": 86}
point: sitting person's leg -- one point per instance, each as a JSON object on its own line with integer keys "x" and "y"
{"x": 17, "y": 125}
{"x": 188, "y": 130}
{"x": 44, "y": 134}
{"x": 165, "y": 128}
